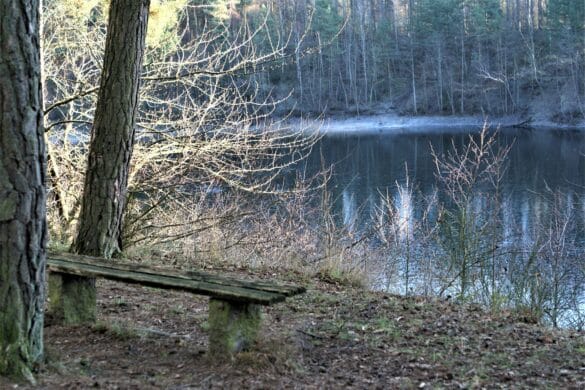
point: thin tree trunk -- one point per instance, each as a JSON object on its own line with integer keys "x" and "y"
{"x": 364, "y": 50}
{"x": 332, "y": 96}
{"x": 298, "y": 66}
{"x": 348, "y": 57}
{"x": 321, "y": 73}
{"x": 59, "y": 193}
{"x": 440, "y": 73}
{"x": 531, "y": 46}
{"x": 112, "y": 138}
{"x": 23, "y": 228}
{"x": 411, "y": 42}
{"x": 413, "y": 79}
{"x": 451, "y": 94}
{"x": 462, "y": 102}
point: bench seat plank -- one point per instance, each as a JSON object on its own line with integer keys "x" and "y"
{"x": 280, "y": 288}
{"x": 239, "y": 292}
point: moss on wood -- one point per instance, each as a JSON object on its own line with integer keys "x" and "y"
{"x": 233, "y": 326}
{"x": 72, "y": 299}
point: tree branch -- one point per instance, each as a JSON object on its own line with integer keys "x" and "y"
{"x": 70, "y": 99}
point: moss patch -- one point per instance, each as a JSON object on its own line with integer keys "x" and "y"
{"x": 8, "y": 207}
{"x": 72, "y": 299}
{"x": 233, "y": 326}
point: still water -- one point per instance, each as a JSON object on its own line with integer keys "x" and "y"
{"x": 539, "y": 162}
{"x": 540, "y": 208}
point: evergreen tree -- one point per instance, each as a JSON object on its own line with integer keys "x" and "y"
{"x": 112, "y": 138}
{"x": 23, "y": 230}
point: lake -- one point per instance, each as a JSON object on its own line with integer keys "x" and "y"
{"x": 529, "y": 228}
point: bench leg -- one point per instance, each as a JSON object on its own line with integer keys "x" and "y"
{"x": 233, "y": 326}
{"x": 72, "y": 299}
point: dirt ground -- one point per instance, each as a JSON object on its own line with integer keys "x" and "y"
{"x": 330, "y": 337}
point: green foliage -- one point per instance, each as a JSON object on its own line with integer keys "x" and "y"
{"x": 485, "y": 17}
{"x": 84, "y": 15}
{"x": 387, "y": 327}
{"x": 326, "y": 20}
{"x": 222, "y": 10}
{"x": 163, "y": 23}
{"x": 566, "y": 14}
{"x": 442, "y": 17}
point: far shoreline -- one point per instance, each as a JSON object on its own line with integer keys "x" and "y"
{"x": 392, "y": 123}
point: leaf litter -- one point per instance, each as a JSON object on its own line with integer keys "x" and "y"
{"x": 331, "y": 337}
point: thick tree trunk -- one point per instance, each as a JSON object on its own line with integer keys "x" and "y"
{"x": 104, "y": 195}
{"x": 23, "y": 230}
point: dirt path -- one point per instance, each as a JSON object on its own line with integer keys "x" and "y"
{"x": 331, "y": 337}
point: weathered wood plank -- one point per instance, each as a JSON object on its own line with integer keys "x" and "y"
{"x": 112, "y": 272}
{"x": 279, "y": 288}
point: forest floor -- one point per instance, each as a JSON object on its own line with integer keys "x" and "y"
{"x": 333, "y": 336}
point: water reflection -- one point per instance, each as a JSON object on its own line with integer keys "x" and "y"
{"x": 537, "y": 158}
{"x": 405, "y": 218}
{"x": 538, "y": 210}
{"x": 539, "y": 162}
{"x": 349, "y": 208}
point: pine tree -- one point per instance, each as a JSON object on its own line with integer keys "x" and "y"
{"x": 23, "y": 230}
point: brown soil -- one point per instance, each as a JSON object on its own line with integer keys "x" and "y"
{"x": 330, "y": 337}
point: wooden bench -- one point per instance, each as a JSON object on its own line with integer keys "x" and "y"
{"x": 234, "y": 306}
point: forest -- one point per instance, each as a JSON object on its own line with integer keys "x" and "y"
{"x": 413, "y": 57}
{"x": 421, "y": 57}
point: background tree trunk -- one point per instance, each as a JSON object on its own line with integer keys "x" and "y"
{"x": 104, "y": 195}
{"x": 23, "y": 230}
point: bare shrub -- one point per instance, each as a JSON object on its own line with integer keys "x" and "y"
{"x": 203, "y": 121}
{"x": 548, "y": 282}
{"x": 468, "y": 177}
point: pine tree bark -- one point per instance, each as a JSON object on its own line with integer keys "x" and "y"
{"x": 112, "y": 138}
{"x": 23, "y": 229}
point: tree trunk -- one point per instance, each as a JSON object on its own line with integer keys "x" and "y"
{"x": 112, "y": 138}
{"x": 23, "y": 228}
{"x": 440, "y": 73}
{"x": 364, "y": 49}
{"x": 462, "y": 102}
{"x": 298, "y": 67}
{"x": 411, "y": 44}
